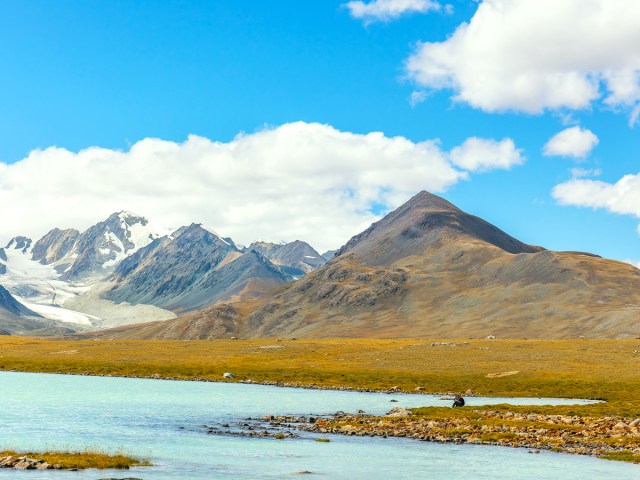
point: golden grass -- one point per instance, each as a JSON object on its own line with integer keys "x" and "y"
{"x": 599, "y": 369}
{"x": 82, "y": 459}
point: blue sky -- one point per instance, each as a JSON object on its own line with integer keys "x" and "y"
{"x": 77, "y": 75}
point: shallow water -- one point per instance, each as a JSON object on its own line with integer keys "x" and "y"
{"x": 164, "y": 421}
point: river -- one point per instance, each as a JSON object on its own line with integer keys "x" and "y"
{"x": 164, "y": 421}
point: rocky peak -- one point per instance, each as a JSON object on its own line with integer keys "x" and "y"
{"x": 196, "y": 232}
{"x": 100, "y": 248}
{"x": 428, "y": 201}
{"x": 295, "y": 258}
{"x": 425, "y": 220}
{"x": 54, "y": 245}
{"x": 19, "y": 243}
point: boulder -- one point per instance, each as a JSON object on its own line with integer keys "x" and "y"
{"x": 399, "y": 412}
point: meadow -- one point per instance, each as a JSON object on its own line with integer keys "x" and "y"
{"x": 595, "y": 369}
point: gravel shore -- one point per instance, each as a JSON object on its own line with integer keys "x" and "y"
{"x": 606, "y": 436}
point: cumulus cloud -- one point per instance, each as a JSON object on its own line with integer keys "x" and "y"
{"x": 573, "y": 142}
{"x": 387, "y": 10}
{"x": 297, "y": 181}
{"x": 528, "y": 56}
{"x": 622, "y": 197}
{"x": 480, "y": 154}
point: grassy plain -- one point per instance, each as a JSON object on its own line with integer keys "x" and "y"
{"x": 599, "y": 369}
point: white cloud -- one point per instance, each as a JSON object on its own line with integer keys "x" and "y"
{"x": 299, "y": 180}
{"x": 622, "y": 197}
{"x": 386, "y": 10}
{"x": 530, "y": 56}
{"x": 573, "y": 142}
{"x": 479, "y": 154}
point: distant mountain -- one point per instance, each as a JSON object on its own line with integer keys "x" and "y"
{"x": 329, "y": 254}
{"x": 430, "y": 270}
{"x": 55, "y": 245}
{"x": 15, "y": 319}
{"x": 99, "y": 249}
{"x": 191, "y": 268}
{"x": 296, "y": 258}
{"x": 19, "y": 243}
{"x": 124, "y": 269}
{"x": 11, "y": 306}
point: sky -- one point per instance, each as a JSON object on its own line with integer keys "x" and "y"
{"x": 310, "y": 120}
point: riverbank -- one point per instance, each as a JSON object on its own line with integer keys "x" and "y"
{"x": 612, "y": 438}
{"x": 68, "y": 460}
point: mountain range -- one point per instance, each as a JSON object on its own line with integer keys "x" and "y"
{"x": 428, "y": 270}
{"x": 125, "y": 270}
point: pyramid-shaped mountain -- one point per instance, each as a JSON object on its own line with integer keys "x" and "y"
{"x": 428, "y": 269}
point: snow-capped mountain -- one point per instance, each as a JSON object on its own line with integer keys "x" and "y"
{"x": 61, "y": 277}
{"x": 37, "y": 286}
{"x": 98, "y": 250}
{"x": 22, "y": 244}
{"x": 126, "y": 270}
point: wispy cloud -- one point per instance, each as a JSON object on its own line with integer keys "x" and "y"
{"x": 387, "y": 10}
{"x": 417, "y": 97}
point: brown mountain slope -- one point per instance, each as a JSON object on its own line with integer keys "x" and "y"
{"x": 429, "y": 269}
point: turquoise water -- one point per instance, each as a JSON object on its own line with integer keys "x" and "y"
{"x": 165, "y": 420}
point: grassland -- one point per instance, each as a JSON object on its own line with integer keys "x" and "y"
{"x": 82, "y": 459}
{"x": 599, "y": 369}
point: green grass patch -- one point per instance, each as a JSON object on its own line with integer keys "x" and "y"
{"x": 622, "y": 456}
{"x": 83, "y": 459}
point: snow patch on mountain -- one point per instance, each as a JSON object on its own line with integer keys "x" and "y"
{"x": 54, "y": 312}
{"x": 38, "y": 287}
